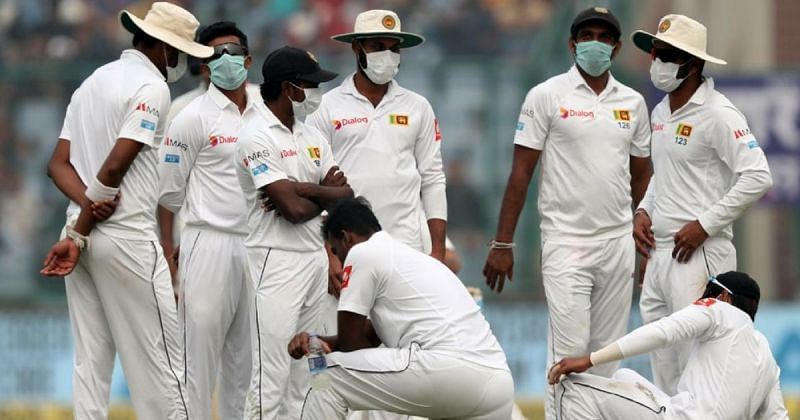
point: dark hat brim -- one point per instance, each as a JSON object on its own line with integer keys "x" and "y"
{"x": 320, "y": 76}
{"x": 407, "y": 39}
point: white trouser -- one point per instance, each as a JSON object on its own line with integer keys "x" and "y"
{"x": 289, "y": 291}
{"x": 411, "y": 381}
{"x": 120, "y": 299}
{"x": 215, "y": 319}
{"x": 627, "y": 396}
{"x": 670, "y": 286}
{"x": 589, "y": 289}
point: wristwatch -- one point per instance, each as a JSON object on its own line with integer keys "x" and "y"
{"x": 81, "y": 241}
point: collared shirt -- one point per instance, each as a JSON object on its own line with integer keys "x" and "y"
{"x": 707, "y": 166}
{"x": 730, "y": 374}
{"x": 125, "y": 99}
{"x": 587, "y": 141}
{"x": 268, "y": 152}
{"x": 390, "y": 155}
{"x": 412, "y": 298}
{"x": 197, "y": 168}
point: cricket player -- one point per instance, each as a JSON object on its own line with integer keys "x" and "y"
{"x": 729, "y": 375}
{"x": 386, "y": 138}
{"x": 119, "y": 292}
{"x": 593, "y": 136}
{"x": 441, "y": 359}
{"x": 197, "y": 177}
{"x": 291, "y": 166}
{"x": 708, "y": 169}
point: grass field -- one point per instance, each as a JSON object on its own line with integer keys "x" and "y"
{"x": 533, "y": 410}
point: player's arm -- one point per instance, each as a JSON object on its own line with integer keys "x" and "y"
{"x": 640, "y": 166}
{"x": 689, "y": 323}
{"x": 324, "y": 196}
{"x": 772, "y": 408}
{"x": 358, "y": 335}
{"x": 428, "y": 156}
{"x": 640, "y": 177}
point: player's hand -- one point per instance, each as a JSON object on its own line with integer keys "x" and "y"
{"x": 335, "y": 276}
{"x": 102, "y": 210}
{"x": 567, "y": 366}
{"x": 62, "y": 258}
{"x": 334, "y": 178}
{"x": 267, "y": 205}
{"x": 643, "y": 234}
{"x": 298, "y": 346}
{"x": 499, "y": 265}
{"x": 687, "y": 240}
{"x": 439, "y": 254}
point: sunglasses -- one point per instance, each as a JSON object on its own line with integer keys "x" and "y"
{"x": 713, "y": 280}
{"x": 229, "y": 48}
{"x": 667, "y": 55}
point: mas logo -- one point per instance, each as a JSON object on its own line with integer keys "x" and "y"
{"x": 338, "y": 124}
{"x": 147, "y": 108}
{"x": 741, "y": 132}
{"x": 436, "y": 129}
{"x": 346, "y": 272}
{"x": 395, "y": 119}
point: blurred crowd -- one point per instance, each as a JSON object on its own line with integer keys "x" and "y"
{"x": 50, "y": 46}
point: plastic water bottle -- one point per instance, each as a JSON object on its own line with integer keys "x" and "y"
{"x": 320, "y": 379}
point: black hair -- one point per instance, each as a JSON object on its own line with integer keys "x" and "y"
{"x": 746, "y": 304}
{"x": 218, "y": 29}
{"x": 353, "y": 215}
{"x": 271, "y": 89}
{"x": 141, "y": 39}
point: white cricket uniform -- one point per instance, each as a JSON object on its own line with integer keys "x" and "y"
{"x": 730, "y": 374}
{"x": 390, "y": 155}
{"x": 198, "y": 178}
{"x": 288, "y": 264}
{"x": 707, "y": 167}
{"x": 120, "y": 294}
{"x": 586, "y": 142}
{"x": 440, "y": 351}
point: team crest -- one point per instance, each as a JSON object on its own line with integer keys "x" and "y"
{"x": 622, "y": 115}
{"x": 664, "y": 26}
{"x": 395, "y": 119}
{"x": 315, "y": 154}
{"x": 389, "y": 22}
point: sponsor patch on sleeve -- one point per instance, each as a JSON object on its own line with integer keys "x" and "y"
{"x": 753, "y": 144}
{"x": 148, "y": 125}
{"x": 436, "y": 129}
{"x": 705, "y": 302}
{"x": 260, "y": 169}
{"x": 346, "y": 276}
{"x": 520, "y": 125}
{"x": 170, "y": 158}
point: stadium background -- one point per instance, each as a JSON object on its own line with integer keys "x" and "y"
{"x": 480, "y": 59}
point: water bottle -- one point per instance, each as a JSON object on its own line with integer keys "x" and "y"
{"x": 317, "y": 366}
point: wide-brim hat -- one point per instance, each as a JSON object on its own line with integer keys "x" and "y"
{"x": 683, "y": 33}
{"x": 171, "y": 24}
{"x": 379, "y": 24}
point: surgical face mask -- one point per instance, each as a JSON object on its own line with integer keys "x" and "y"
{"x": 175, "y": 73}
{"x": 594, "y": 57}
{"x": 227, "y": 71}
{"x": 665, "y": 75}
{"x": 382, "y": 66}
{"x": 309, "y": 104}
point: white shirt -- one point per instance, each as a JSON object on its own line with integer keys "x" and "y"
{"x": 390, "y": 155}
{"x": 730, "y": 374}
{"x": 197, "y": 167}
{"x": 412, "y": 298}
{"x": 587, "y": 141}
{"x": 267, "y": 152}
{"x": 127, "y": 98}
{"x": 707, "y": 166}
{"x": 182, "y": 101}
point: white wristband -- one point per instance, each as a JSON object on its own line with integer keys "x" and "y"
{"x": 610, "y": 353}
{"x": 96, "y": 191}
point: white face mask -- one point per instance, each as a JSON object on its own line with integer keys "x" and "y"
{"x": 664, "y": 75}
{"x": 382, "y": 66}
{"x": 309, "y": 104}
{"x": 175, "y": 73}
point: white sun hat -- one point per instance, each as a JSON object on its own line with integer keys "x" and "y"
{"x": 681, "y": 32}
{"x": 171, "y": 24}
{"x": 377, "y": 24}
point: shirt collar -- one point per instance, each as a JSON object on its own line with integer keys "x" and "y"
{"x": 273, "y": 121}
{"x": 349, "y": 87}
{"x": 701, "y": 94}
{"x": 134, "y": 54}
{"x": 575, "y": 79}
{"x": 222, "y": 101}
